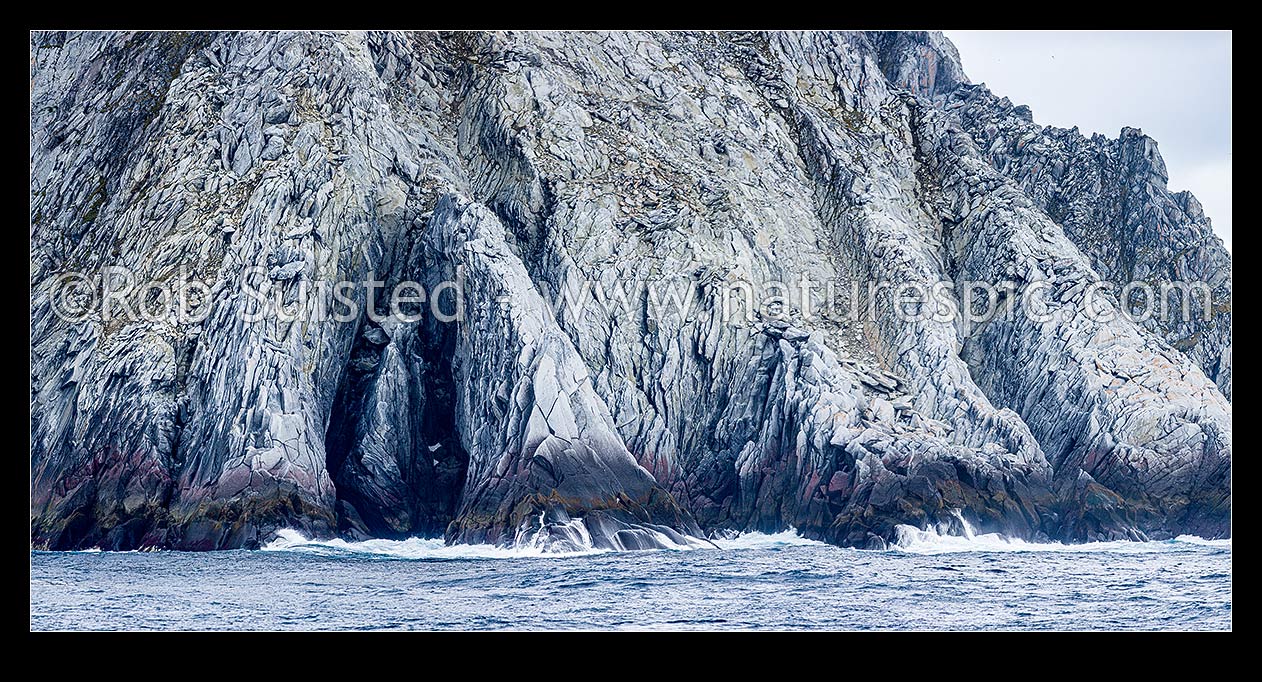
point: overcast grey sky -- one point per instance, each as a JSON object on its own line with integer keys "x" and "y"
{"x": 1174, "y": 85}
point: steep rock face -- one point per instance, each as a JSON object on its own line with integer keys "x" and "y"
{"x": 1110, "y": 198}
{"x": 1104, "y": 398}
{"x": 1108, "y": 195}
{"x": 638, "y": 179}
{"x": 924, "y": 62}
{"x": 541, "y": 442}
{"x": 249, "y": 169}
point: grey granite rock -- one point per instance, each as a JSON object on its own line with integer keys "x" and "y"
{"x": 526, "y": 165}
{"x": 1110, "y": 198}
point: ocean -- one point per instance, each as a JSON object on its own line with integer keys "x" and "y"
{"x": 752, "y": 582}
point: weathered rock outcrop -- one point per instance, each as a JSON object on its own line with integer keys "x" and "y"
{"x": 1110, "y": 199}
{"x": 638, "y": 179}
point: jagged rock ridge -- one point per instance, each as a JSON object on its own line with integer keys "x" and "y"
{"x": 525, "y": 163}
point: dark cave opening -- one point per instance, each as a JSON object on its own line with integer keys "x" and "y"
{"x": 392, "y": 448}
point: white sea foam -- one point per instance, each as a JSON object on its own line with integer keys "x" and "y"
{"x": 909, "y": 539}
{"x": 1194, "y": 540}
{"x": 571, "y": 537}
{"x": 785, "y": 538}
{"x": 526, "y": 545}
{"x": 916, "y": 541}
{"x": 411, "y": 548}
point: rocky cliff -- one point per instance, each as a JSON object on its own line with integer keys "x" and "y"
{"x": 512, "y": 167}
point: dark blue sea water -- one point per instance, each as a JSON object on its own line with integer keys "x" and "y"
{"x": 752, "y": 582}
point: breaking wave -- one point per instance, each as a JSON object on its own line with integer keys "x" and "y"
{"x": 288, "y": 540}
{"x": 785, "y": 538}
{"x": 916, "y": 541}
{"x": 908, "y": 539}
{"x": 412, "y": 548}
